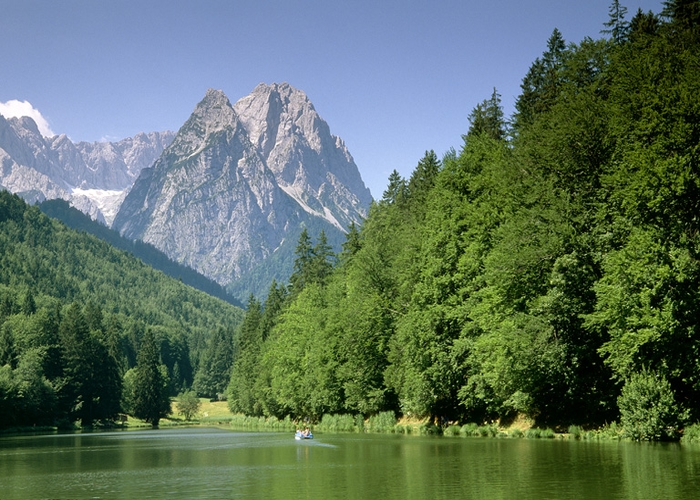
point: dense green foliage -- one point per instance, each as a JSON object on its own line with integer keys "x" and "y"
{"x": 149, "y": 388}
{"x": 74, "y": 313}
{"x": 535, "y": 271}
{"x": 647, "y": 407}
{"x": 150, "y": 255}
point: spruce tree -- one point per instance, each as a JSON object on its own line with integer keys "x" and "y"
{"x": 302, "y": 264}
{"x": 396, "y": 190}
{"x": 322, "y": 260}
{"x": 616, "y": 26}
{"x": 91, "y": 386}
{"x": 150, "y": 389}
{"x": 215, "y": 368}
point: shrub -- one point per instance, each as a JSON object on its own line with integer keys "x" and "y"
{"x": 691, "y": 434}
{"x": 452, "y": 430}
{"x": 338, "y": 423}
{"x": 469, "y": 430}
{"x": 547, "y": 434}
{"x": 188, "y": 404}
{"x": 533, "y": 433}
{"x": 575, "y": 432}
{"x": 487, "y": 430}
{"x": 428, "y": 429}
{"x": 648, "y": 410}
{"x": 611, "y": 432}
{"x": 383, "y": 422}
{"x": 516, "y": 433}
{"x": 359, "y": 423}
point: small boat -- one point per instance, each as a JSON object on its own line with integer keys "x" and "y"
{"x": 298, "y": 435}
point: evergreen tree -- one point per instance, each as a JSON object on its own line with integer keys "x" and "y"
{"x": 616, "y": 26}
{"x": 150, "y": 385}
{"x": 542, "y": 83}
{"x": 276, "y": 298}
{"x": 241, "y": 394}
{"x": 396, "y": 190}
{"x": 323, "y": 259}
{"x": 303, "y": 263}
{"x": 215, "y": 369}
{"x": 423, "y": 178}
{"x": 683, "y": 14}
{"x": 643, "y": 24}
{"x": 28, "y": 305}
{"x": 487, "y": 118}
{"x": 351, "y": 245}
{"x": 91, "y": 384}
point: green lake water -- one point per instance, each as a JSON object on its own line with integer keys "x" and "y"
{"x": 217, "y": 463}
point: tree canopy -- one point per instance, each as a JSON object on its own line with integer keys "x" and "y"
{"x": 545, "y": 269}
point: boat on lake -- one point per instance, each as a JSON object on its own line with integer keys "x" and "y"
{"x": 299, "y": 435}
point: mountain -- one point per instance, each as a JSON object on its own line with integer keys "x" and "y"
{"x": 234, "y": 189}
{"x": 93, "y": 177}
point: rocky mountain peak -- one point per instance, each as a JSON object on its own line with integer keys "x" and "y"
{"x": 310, "y": 164}
{"x": 239, "y": 182}
{"x": 213, "y": 114}
{"x": 215, "y": 109}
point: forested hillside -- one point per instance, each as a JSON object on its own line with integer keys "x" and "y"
{"x": 150, "y": 255}
{"x": 549, "y": 268}
{"x": 74, "y": 313}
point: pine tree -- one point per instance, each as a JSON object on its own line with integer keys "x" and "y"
{"x": 396, "y": 190}
{"x": 323, "y": 259}
{"x": 351, "y": 245}
{"x": 616, "y": 25}
{"x": 240, "y": 391}
{"x": 91, "y": 387}
{"x": 215, "y": 368}
{"x": 302, "y": 264}
{"x": 685, "y": 14}
{"x": 488, "y": 118}
{"x": 28, "y": 304}
{"x": 150, "y": 389}
{"x": 643, "y": 24}
{"x": 274, "y": 304}
{"x": 423, "y": 177}
{"x": 542, "y": 82}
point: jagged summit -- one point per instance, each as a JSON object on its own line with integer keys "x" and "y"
{"x": 238, "y": 181}
{"x": 310, "y": 164}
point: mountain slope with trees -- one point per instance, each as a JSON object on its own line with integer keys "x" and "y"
{"x": 150, "y": 255}
{"x": 73, "y": 315}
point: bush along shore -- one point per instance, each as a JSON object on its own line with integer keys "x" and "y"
{"x": 387, "y": 423}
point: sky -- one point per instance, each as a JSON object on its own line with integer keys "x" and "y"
{"x": 393, "y": 79}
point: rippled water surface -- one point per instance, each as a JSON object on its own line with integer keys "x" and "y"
{"x": 216, "y": 463}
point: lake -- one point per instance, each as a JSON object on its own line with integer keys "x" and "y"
{"x": 218, "y": 463}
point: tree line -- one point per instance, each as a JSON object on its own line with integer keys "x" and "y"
{"x": 549, "y": 268}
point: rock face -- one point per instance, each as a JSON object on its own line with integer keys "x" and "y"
{"x": 309, "y": 163}
{"x": 239, "y": 182}
{"x": 92, "y": 176}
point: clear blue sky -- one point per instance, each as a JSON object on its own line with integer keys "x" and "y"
{"x": 392, "y": 78}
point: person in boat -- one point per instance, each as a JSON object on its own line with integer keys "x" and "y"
{"x": 306, "y": 432}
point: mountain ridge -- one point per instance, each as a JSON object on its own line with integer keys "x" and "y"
{"x": 40, "y": 168}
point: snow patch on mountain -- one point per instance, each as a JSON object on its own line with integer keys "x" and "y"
{"x": 107, "y": 201}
